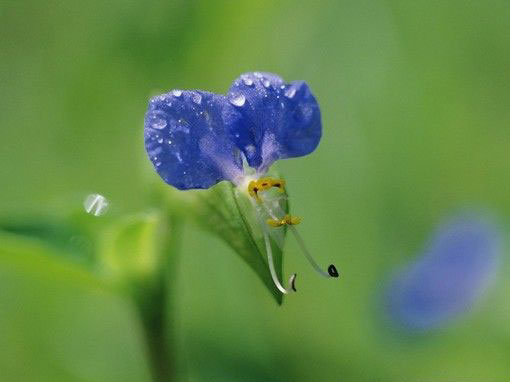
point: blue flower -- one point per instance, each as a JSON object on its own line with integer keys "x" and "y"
{"x": 454, "y": 271}
{"x": 196, "y": 139}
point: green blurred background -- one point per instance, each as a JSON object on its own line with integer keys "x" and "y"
{"x": 416, "y": 113}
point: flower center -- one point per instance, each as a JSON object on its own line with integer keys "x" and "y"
{"x": 278, "y": 218}
{"x": 263, "y": 184}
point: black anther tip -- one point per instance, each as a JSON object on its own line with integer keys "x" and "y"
{"x": 293, "y": 283}
{"x": 332, "y": 271}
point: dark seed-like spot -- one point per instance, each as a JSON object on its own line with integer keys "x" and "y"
{"x": 332, "y": 271}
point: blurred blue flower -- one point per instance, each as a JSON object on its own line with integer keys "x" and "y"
{"x": 196, "y": 139}
{"x": 455, "y": 270}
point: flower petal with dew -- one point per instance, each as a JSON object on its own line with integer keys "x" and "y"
{"x": 280, "y": 120}
{"x": 187, "y": 139}
{"x": 196, "y": 139}
{"x": 447, "y": 280}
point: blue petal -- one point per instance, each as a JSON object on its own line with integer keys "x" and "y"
{"x": 279, "y": 120}
{"x": 187, "y": 138}
{"x": 455, "y": 270}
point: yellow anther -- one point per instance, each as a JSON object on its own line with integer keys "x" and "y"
{"x": 275, "y": 223}
{"x": 292, "y": 220}
{"x": 287, "y": 220}
{"x": 264, "y": 184}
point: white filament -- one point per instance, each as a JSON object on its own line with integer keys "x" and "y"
{"x": 299, "y": 239}
{"x": 272, "y": 269}
{"x": 308, "y": 255}
{"x": 270, "y": 259}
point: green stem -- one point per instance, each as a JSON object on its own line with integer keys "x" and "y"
{"x": 157, "y": 308}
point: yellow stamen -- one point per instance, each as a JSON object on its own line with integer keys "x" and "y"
{"x": 264, "y": 184}
{"x": 287, "y": 220}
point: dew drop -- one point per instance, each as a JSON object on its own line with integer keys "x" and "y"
{"x": 197, "y": 98}
{"x": 266, "y": 83}
{"x": 95, "y": 204}
{"x": 247, "y": 81}
{"x": 158, "y": 123}
{"x": 290, "y": 92}
{"x": 182, "y": 126}
{"x": 160, "y": 140}
{"x": 238, "y": 100}
{"x": 155, "y": 151}
{"x": 250, "y": 150}
{"x": 177, "y": 93}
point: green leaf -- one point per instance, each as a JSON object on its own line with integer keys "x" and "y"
{"x": 225, "y": 211}
{"x": 70, "y": 241}
{"x": 62, "y": 323}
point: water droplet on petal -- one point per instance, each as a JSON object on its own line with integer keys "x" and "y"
{"x": 238, "y": 100}
{"x": 177, "y": 93}
{"x": 158, "y": 123}
{"x": 197, "y": 98}
{"x": 160, "y": 140}
{"x": 96, "y": 204}
{"x": 250, "y": 150}
{"x": 266, "y": 83}
{"x": 247, "y": 81}
{"x": 290, "y": 92}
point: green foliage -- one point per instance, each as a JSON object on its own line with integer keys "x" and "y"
{"x": 61, "y": 322}
{"x": 131, "y": 252}
{"x": 414, "y": 100}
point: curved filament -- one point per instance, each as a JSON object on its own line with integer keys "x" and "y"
{"x": 331, "y": 272}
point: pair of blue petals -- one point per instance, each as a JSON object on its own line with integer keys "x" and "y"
{"x": 196, "y": 139}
